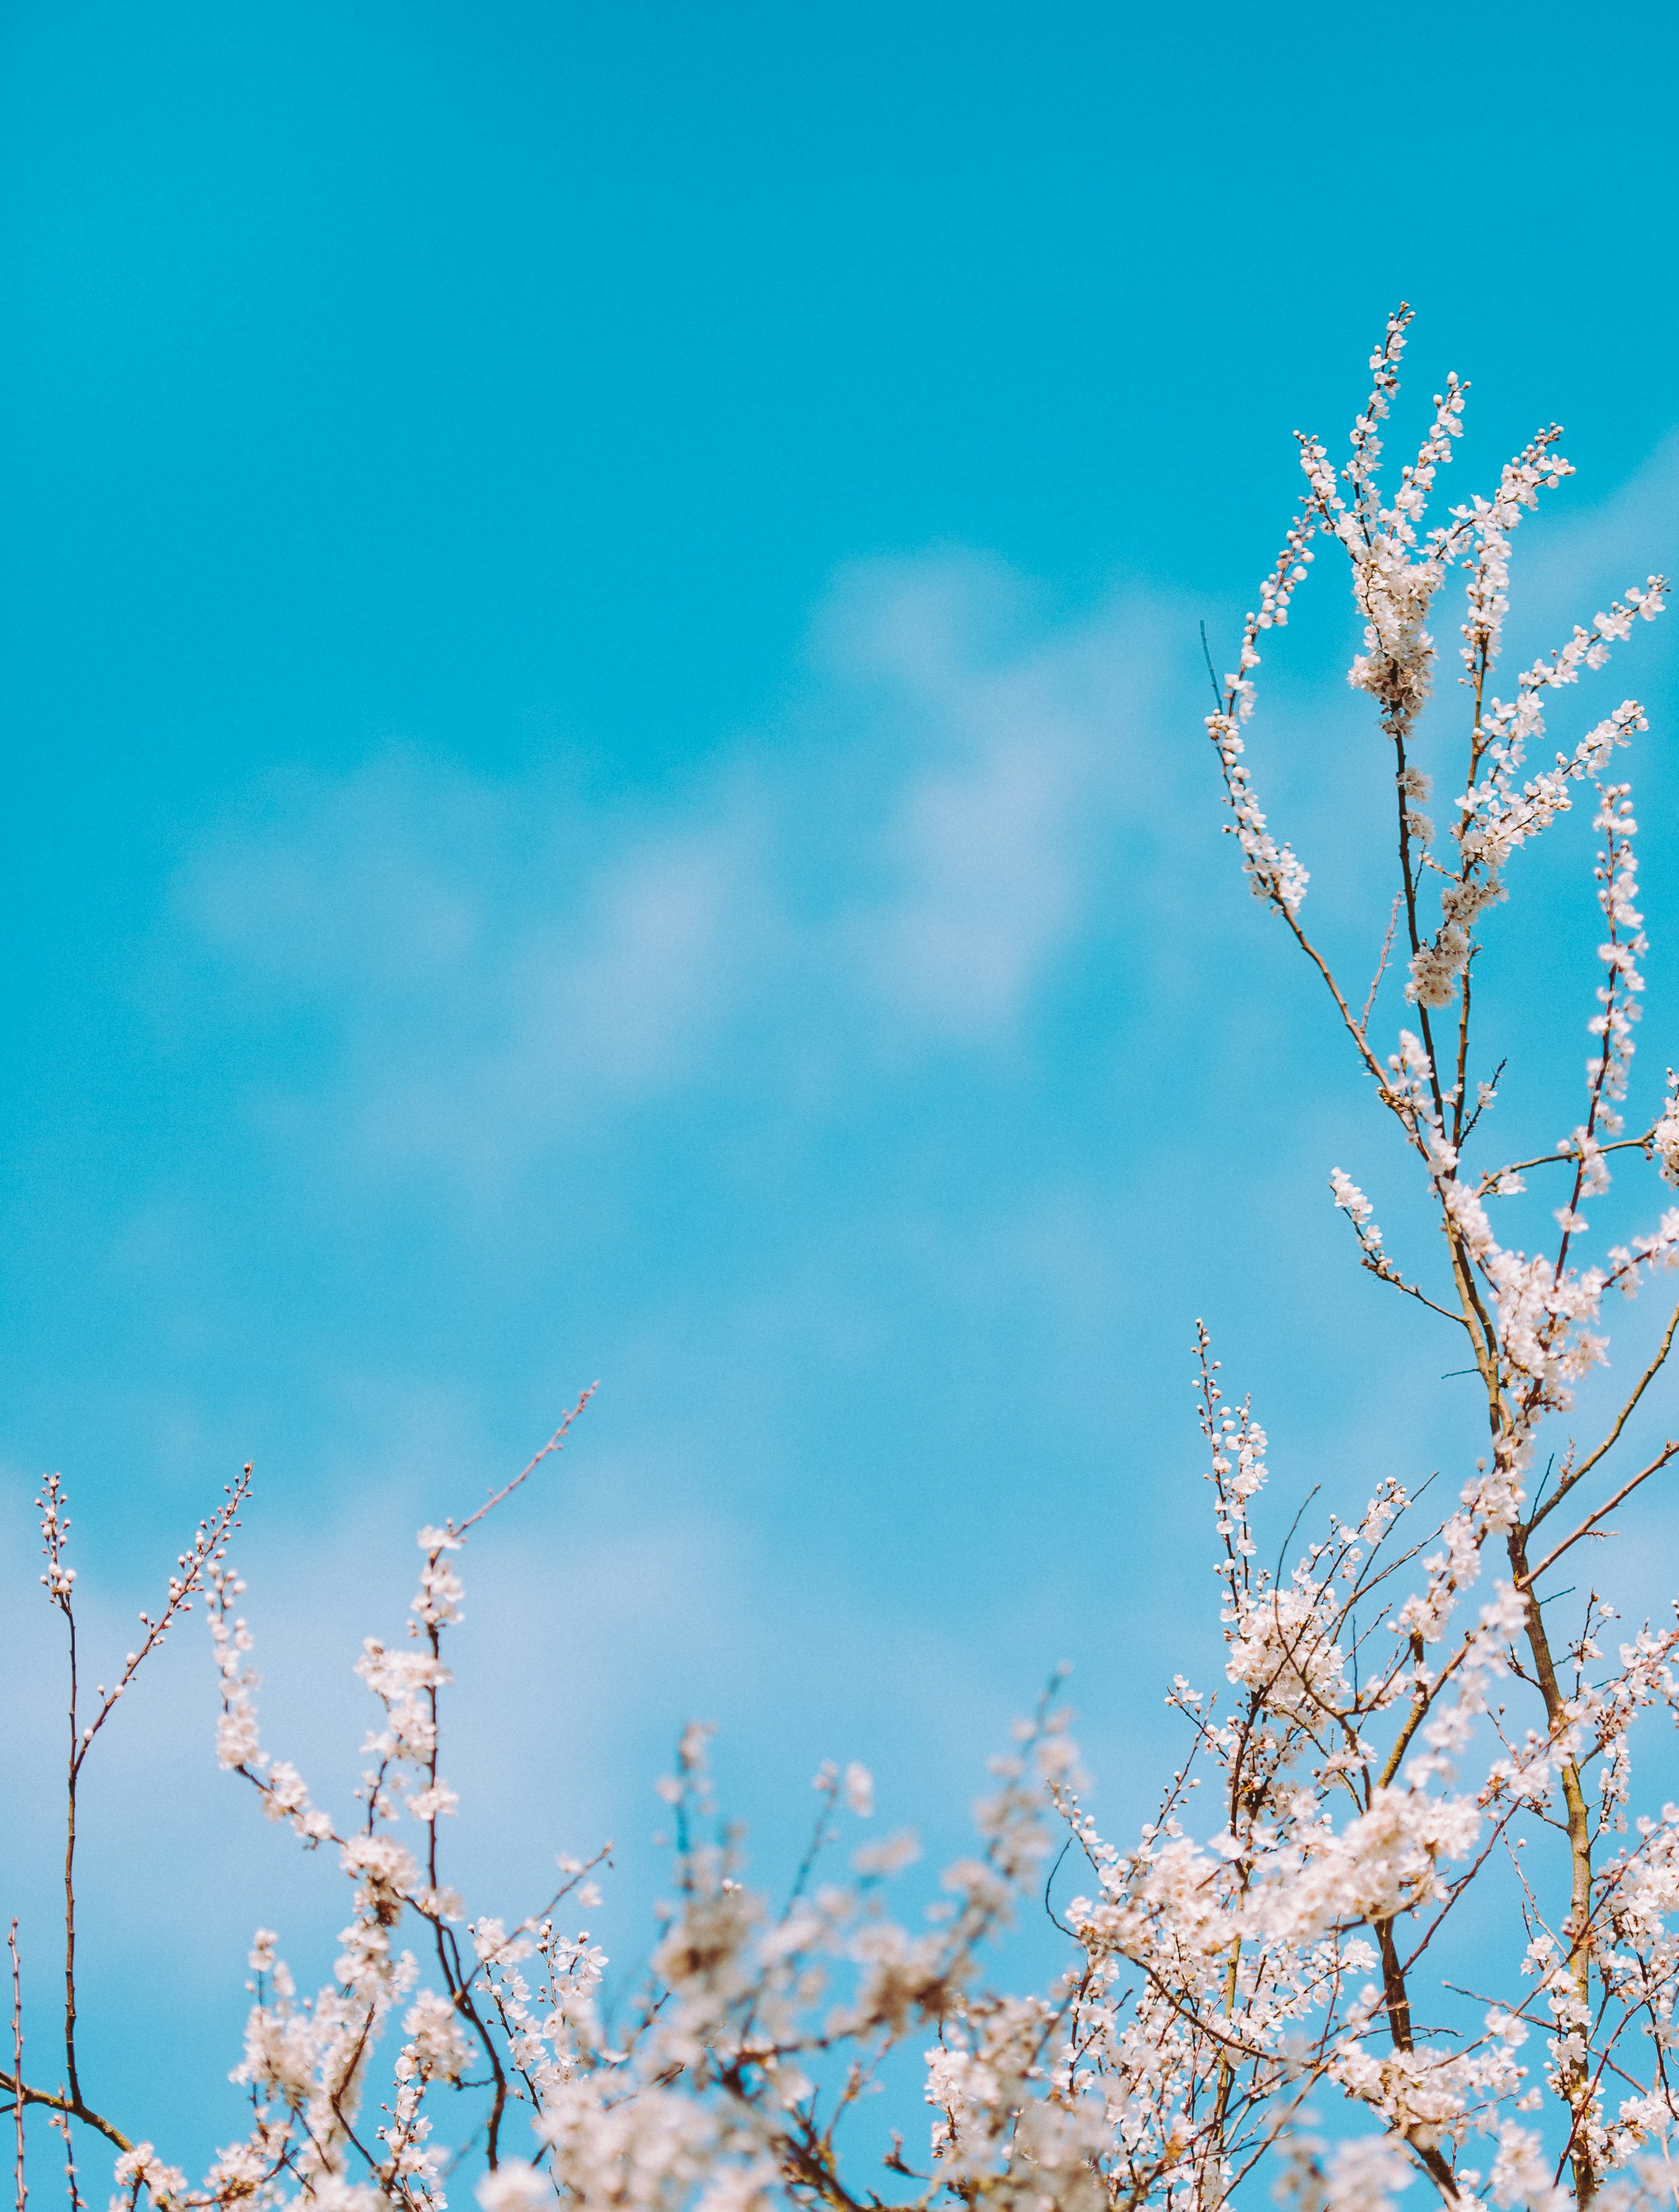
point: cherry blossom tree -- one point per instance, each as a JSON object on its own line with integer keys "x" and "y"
{"x": 1416, "y": 1756}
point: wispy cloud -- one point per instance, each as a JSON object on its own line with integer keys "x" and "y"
{"x": 1019, "y": 740}
{"x": 495, "y": 967}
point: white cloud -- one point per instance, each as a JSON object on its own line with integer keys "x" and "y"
{"x": 614, "y": 998}
{"x": 1015, "y": 756}
{"x": 373, "y": 883}
{"x": 498, "y": 968}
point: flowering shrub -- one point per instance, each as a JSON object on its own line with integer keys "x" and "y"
{"x": 1399, "y": 1707}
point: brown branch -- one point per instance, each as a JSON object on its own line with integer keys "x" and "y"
{"x": 1392, "y": 1276}
{"x": 62, "y": 2102}
{"x": 1553, "y": 1159}
{"x": 1420, "y": 1708}
{"x": 1532, "y": 1574}
{"x": 1572, "y": 2084}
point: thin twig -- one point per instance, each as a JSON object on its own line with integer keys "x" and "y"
{"x": 61, "y": 2121}
{"x": 1380, "y": 967}
{"x": 17, "y": 2061}
{"x": 1555, "y": 1160}
{"x": 1667, "y": 1452}
{"x": 208, "y": 1544}
{"x": 555, "y": 1443}
{"x": 1212, "y": 673}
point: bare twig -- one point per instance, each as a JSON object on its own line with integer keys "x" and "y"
{"x": 1591, "y": 1520}
{"x": 1211, "y": 673}
{"x": 1380, "y": 967}
{"x": 17, "y": 2061}
{"x": 556, "y": 1442}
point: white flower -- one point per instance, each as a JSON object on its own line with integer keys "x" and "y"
{"x": 515, "y": 2188}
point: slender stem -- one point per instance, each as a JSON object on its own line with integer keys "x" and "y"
{"x": 556, "y": 1442}
{"x": 61, "y": 2122}
{"x": 17, "y": 2061}
{"x": 1381, "y": 969}
{"x": 74, "y": 1775}
{"x": 1392, "y": 1277}
{"x": 1667, "y": 1452}
{"x": 1556, "y": 1159}
{"x": 207, "y": 1546}
{"x": 1462, "y": 1083}
{"x": 1465, "y": 870}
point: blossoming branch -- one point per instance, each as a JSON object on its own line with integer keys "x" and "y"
{"x": 1418, "y": 1763}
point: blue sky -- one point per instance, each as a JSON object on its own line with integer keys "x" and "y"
{"x": 601, "y": 684}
